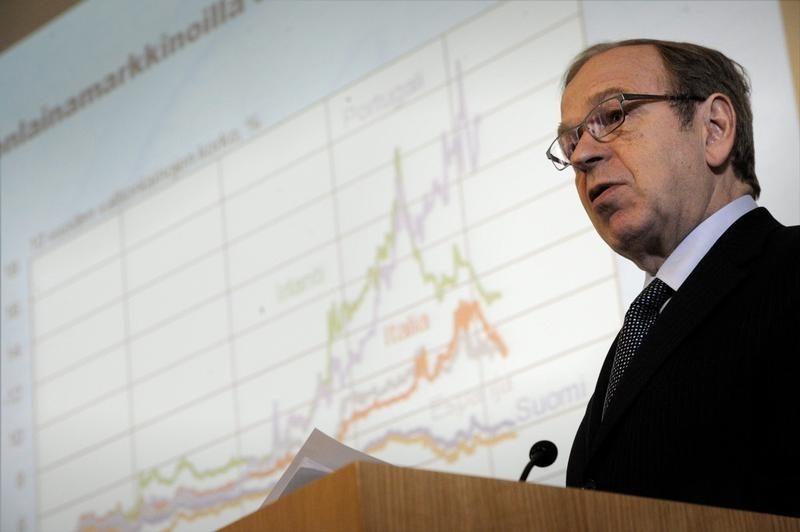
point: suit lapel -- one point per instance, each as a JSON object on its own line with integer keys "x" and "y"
{"x": 717, "y": 274}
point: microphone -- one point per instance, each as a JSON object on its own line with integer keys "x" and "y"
{"x": 543, "y": 453}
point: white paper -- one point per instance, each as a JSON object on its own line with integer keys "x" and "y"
{"x": 318, "y": 456}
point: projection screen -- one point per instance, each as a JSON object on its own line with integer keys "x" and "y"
{"x": 225, "y": 223}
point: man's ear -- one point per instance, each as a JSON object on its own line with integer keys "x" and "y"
{"x": 720, "y": 129}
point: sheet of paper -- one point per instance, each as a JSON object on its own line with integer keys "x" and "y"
{"x": 318, "y": 456}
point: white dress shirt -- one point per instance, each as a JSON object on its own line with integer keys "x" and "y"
{"x": 694, "y": 247}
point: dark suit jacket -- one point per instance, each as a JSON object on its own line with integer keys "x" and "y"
{"x": 709, "y": 409}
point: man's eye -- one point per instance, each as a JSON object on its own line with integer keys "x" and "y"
{"x": 612, "y": 116}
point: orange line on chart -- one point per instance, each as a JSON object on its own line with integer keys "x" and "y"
{"x": 463, "y": 447}
{"x": 214, "y": 510}
{"x": 464, "y": 315}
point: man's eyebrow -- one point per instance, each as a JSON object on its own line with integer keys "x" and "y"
{"x": 606, "y": 94}
{"x": 593, "y": 100}
{"x": 562, "y": 127}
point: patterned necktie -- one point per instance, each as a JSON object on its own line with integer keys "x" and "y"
{"x": 640, "y": 317}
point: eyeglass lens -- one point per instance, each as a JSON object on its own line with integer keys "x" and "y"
{"x": 600, "y": 121}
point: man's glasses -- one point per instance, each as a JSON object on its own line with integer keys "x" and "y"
{"x": 607, "y": 116}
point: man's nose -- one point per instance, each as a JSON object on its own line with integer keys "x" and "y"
{"x": 589, "y": 152}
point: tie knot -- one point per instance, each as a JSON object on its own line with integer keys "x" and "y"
{"x": 654, "y": 295}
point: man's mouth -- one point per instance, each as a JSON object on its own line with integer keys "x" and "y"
{"x": 597, "y": 190}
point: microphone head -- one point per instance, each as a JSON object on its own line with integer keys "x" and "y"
{"x": 543, "y": 453}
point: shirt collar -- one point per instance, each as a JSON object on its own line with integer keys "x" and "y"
{"x": 694, "y": 247}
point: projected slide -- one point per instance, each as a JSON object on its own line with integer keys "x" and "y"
{"x": 397, "y": 264}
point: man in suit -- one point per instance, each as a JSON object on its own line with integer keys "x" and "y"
{"x": 696, "y": 399}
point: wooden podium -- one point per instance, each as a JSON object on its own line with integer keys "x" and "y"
{"x": 373, "y": 497}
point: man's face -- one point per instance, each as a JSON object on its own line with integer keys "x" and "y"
{"x": 646, "y": 185}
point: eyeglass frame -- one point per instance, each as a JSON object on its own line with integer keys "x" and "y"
{"x": 621, "y": 98}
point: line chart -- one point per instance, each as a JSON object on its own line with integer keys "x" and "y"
{"x": 406, "y": 277}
